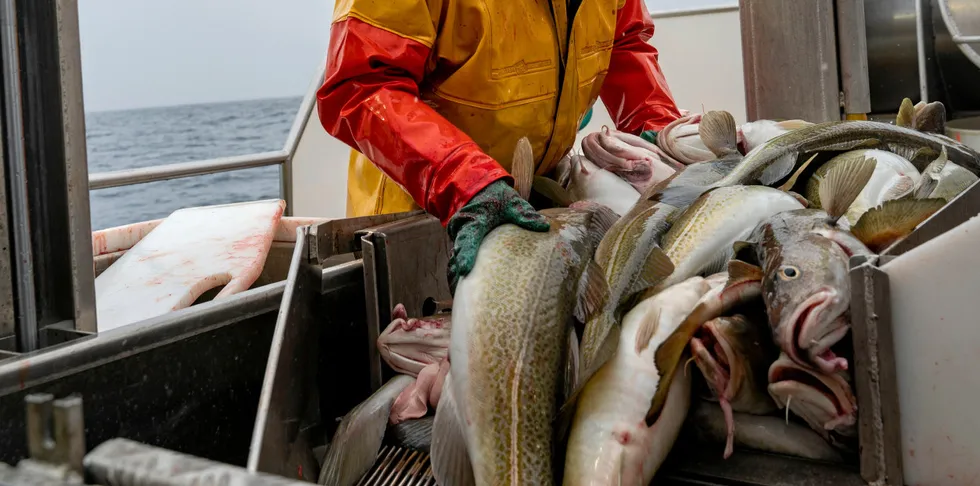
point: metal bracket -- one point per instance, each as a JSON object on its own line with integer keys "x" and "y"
{"x": 56, "y": 430}
{"x": 405, "y": 263}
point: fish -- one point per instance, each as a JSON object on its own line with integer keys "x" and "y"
{"x": 513, "y": 348}
{"x": 734, "y": 354}
{"x": 893, "y": 178}
{"x": 357, "y": 440}
{"x": 700, "y": 239}
{"x": 630, "y": 254}
{"x": 803, "y": 260}
{"x": 778, "y": 158}
{"x": 943, "y": 179}
{"x": 682, "y": 141}
{"x": 589, "y": 182}
{"x": 764, "y": 433}
{"x": 924, "y": 117}
{"x": 825, "y": 401}
{"x": 633, "y": 159}
{"x": 609, "y": 442}
{"x": 754, "y": 134}
{"x": 409, "y": 344}
{"x": 739, "y": 285}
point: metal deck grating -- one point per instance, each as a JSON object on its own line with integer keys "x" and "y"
{"x": 399, "y": 466}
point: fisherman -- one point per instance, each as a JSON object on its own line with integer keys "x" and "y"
{"x": 434, "y": 95}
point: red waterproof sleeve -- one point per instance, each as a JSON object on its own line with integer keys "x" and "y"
{"x": 635, "y": 91}
{"x": 370, "y": 101}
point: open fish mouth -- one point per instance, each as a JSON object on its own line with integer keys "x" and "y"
{"x": 813, "y": 328}
{"x": 825, "y": 402}
{"x": 714, "y": 356}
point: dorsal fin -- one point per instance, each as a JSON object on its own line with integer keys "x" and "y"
{"x": 522, "y": 167}
{"x": 905, "y": 114}
{"x": 844, "y": 182}
{"x": 719, "y": 133}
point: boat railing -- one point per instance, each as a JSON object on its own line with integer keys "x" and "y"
{"x": 282, "y": 157}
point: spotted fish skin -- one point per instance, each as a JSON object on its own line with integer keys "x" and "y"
{"x": 510, "y": 338}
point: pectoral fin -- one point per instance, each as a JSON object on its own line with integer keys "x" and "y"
{"x": 593, "y": 292}
{"x": 719, "y": 133}
{"x": 881, "y": 226}
{"x": 905, "y": 114}
{"x": 552, "y": 190}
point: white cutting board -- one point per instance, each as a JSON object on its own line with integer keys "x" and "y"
{"x": 190, "y": 252}
{"x": 936, "y": 327}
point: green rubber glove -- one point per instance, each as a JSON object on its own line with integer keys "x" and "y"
{"x": 649, "y": 136}
{"x": 496, "y": 204}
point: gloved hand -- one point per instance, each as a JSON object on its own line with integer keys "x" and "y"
{"x": 496, "y": 204}
{"x": 649, "y": 136}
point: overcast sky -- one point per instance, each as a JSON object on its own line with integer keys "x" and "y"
{"x": 141, "y": 53}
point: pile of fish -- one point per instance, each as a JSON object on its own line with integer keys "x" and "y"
{"x": 699, "y": 283}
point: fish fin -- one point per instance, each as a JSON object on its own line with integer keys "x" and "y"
{"x": 450, "y": 456}
{"x": 780, "y": 168}
{"x": 919, "y": 157}
{"x": 681, "y": 196}
{"x": 603, "y": 218}
{"x": 796, "y": 175}
{"x": 905, "y": 114}
{"x": 656, "y": 267}
{"x": 930, "y": 176}
{"x": 844, "y": 182}
{"x": 718, "y": 132}
{"x": 930, "y": 118}
{"x": 522, "y": 167}
{"x": 646, "y": 331}
{"x": 901, "y": 188}
{"x": 881, "y": 226}
{"x": 358, "y": 438}
{"x": 740, "y": 271}
{"x": 599, "y": 343}
{"x": 793, "y": 124}
{"x": 552, "y": 190}
{"x": 593, "y": 292}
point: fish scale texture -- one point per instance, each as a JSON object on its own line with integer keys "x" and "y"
{"x": 517, "y": 343}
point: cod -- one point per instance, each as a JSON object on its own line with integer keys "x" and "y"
{"x": 513, "y": 349}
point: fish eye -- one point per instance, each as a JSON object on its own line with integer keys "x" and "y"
{"x": 789, "y": 272}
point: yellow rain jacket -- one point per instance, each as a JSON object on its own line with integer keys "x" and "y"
{"x": 433, "y": 95}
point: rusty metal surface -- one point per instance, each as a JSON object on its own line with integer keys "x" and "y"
{"x": 290, "y": 398}
{"x": 789, "y": 53}
{"x": 963, "y": 207}
{"x": 405, "y": 262}
{"x": 875, "y": 380}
